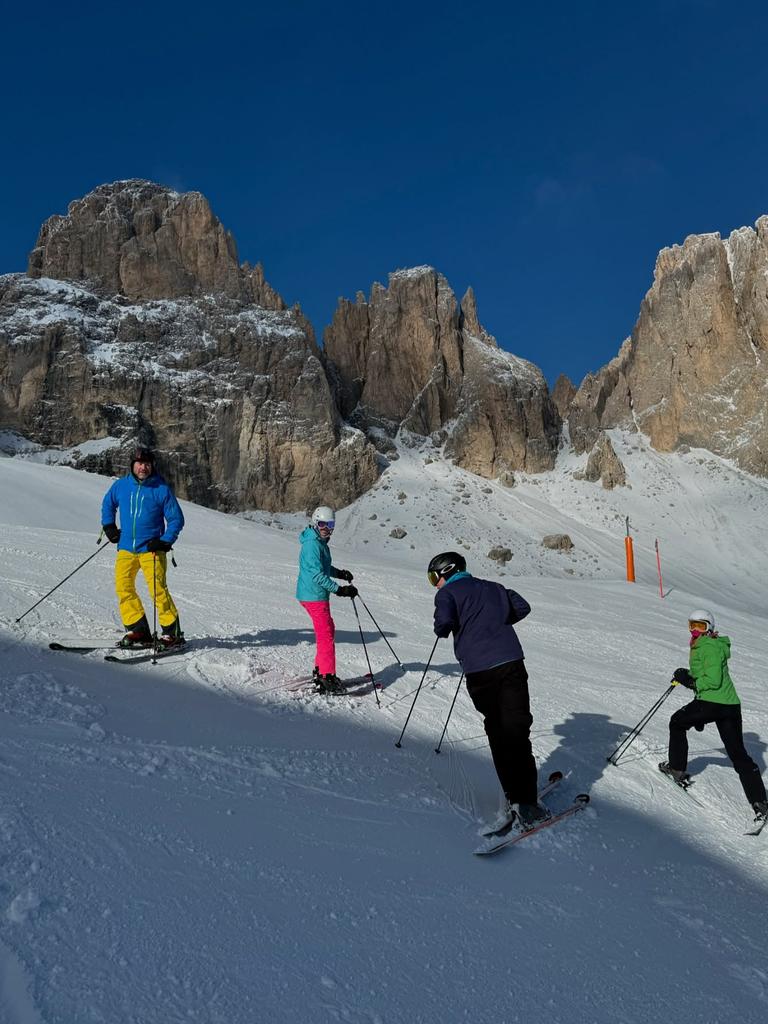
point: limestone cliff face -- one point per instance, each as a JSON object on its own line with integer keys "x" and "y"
{"x": 144, "y": 241}
{"x": 412, "y": 357}
{"x": 563, "y": 394}
{"x": 694, "y": 370}
{"x": 165, "y": 339}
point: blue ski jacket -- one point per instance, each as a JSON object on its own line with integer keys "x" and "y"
{"x": 147, "y": 510}
{"x": 481, "y": 615}
{"x": 315, "y": 568}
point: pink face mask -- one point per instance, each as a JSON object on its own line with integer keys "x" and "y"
{"x": 695, "y": 634}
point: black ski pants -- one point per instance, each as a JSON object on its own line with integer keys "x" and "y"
{"x": 500, "y": 694}
{"x": 727, "y": 718}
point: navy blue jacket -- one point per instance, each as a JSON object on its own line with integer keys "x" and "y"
{"x": 481, "y": 615}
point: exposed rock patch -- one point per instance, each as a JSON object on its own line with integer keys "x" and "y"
{"x": 557, "y": 542}
{"x": 500, "y": 554}
{"x": 604, "y": 464}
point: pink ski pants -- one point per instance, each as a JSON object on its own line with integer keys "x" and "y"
{"x": 325, "y": 631}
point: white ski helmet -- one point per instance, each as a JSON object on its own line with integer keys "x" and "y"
{"x": 702, "y": 615}
{"x": 323, "y": 514}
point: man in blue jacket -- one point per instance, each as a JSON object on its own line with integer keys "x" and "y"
{"x": 150, "y": 521}
{"x": 481, "y": 615}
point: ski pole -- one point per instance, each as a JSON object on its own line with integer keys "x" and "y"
{"x": 658, "y": 567}
{"x": 154, "y": 608}
{"x": 450, "y": 712}
{"x": 64, "y": 580}
{"x": 370, "y": 670}
{"x": 389, "y": 645}
{"x": 628, "y": 740}
{"x": 418, "y": 691}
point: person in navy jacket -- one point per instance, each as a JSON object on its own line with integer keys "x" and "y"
{"x": 150, "y": 523}
{"x": 481, "y": 615}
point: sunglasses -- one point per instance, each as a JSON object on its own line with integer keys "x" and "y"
{"x": 433, "y": 577}
{"x": 330, "y": 525}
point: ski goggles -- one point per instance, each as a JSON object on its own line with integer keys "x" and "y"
{"x": 330, "y": 524}
{"x": 696, "y": 625}
{"x": 433, "y": 577}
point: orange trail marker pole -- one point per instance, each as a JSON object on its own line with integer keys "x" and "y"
{"x": 628, "y": 548}
{"x": 658, "y": 566}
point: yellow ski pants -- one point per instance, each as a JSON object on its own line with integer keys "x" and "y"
{"x": 153, "y": 565}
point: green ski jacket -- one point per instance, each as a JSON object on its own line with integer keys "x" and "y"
{"x": 708, "y": 662}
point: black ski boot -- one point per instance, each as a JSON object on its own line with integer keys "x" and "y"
{"x": 330, "y": 685}
{"x": 138, "y": 635}
{"x": 171, "y": 635}
{"x": 531, "y": 815}
{"x": 678, "y": 776}
{"x": 760, "y": 807}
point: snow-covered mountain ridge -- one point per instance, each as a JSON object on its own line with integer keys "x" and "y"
{"x": 192, "y": 841}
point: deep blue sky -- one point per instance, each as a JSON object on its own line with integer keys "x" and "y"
{"x": 543, "y": 156}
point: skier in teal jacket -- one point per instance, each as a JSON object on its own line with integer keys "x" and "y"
{"x": 316, "y": 582}
{"x": 716, "y": 701}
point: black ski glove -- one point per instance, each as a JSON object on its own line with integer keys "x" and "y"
{"x": 684, "y": 678}
{"x": 346, "y": 592}
{"x": 344, "y": 574}
{"x": 111, "y": 532}
{"x": 158, "y": 545}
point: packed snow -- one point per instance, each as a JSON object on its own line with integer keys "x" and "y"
{"x": 197, "y": 841}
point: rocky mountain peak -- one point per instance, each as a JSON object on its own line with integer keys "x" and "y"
{"x": 563, "y": 394}
{"x": 136, "y": 322}
{"x": 145, "y": 241}
{"x": 411, "y": 357}
{"x": 694, "y": 370}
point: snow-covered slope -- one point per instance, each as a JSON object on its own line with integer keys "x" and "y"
{"x": 193, "y": 841}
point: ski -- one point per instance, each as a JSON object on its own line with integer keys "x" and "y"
{"x": 684, "y": 786}
{"x": 579, "y": 803}
{"x": 553, "y": 781}
{"x": 298, "y": 684}
{"x": 685, "y": 783}
{"x": 150, "y": 655}
{"x": 304, "y": 682}
{"x": 757, "y": 828}
{"x": 83, "y": 646}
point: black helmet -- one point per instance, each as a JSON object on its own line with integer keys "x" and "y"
{"x": 444, "y": 566}
{"x": 142, "y": 455}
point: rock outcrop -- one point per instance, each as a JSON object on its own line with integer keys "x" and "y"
{"x": 563, "y": 394}
{"x": 557, "y": 542}
{"x": 694, "y": 370}
{"x": 412, "y": 358}
{"x": 164, "y": 338}
{"x": 604, "y": 464}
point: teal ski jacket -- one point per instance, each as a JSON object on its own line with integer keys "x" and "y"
{"x": 315, "y": 568}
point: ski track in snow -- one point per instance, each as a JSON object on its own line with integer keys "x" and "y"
{"x": 195, "y": 841}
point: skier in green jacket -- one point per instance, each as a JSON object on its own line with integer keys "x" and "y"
{"x": 716, "y": 701}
